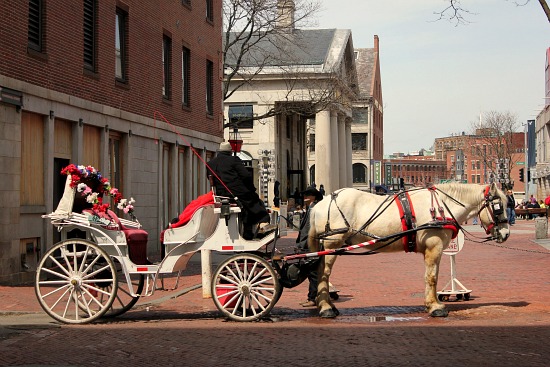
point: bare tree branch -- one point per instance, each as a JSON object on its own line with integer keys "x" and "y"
{"x": 262, "y": 42}
{"x": 497, "y": 144}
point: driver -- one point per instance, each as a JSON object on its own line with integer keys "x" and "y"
{"x": 231, "y": 171}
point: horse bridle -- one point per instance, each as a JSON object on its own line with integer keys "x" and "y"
{"x": 494, "y": 207}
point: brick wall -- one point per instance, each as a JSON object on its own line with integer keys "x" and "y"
{"x": 60, "y": 66}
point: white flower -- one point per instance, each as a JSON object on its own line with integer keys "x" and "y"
{"x": 92, "y": 198}
{"x": 81, "y": 187}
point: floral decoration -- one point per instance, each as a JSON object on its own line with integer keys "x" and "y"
{"x": 79, "y": 173}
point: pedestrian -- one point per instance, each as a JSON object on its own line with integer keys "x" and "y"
{"x": 311, "y": 197}
{"x": 322, "y": 189}
{"x": 511, "y": 207}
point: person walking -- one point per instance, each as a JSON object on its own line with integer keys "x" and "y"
{"x": 511, "y": 207}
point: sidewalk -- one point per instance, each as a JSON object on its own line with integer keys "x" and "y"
{"x": 510, "y": 283}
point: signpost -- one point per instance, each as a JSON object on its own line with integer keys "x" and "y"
{"x": 456, "y": 288}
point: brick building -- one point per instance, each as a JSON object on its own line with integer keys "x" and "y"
{"x": 415, "y": 170}
{"x": 124, "y": 86}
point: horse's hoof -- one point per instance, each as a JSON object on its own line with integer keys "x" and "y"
{"x": 328, "y": 313}
{"x": 335, "y": 310}
{"x": 439, "y": 313}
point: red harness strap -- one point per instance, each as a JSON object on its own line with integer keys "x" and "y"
{"x": 408, "y": 220}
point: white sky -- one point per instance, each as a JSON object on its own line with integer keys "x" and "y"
{"x": 437, "y": 77}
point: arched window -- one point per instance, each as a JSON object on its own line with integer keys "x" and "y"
{"x": 312, "y": 174}
{"x": 359, "y": 173}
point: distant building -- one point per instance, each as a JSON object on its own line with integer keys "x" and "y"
{"x": 367, "y": 125}
{"x": 474, "y": 159}
{"x": 414, "y": 171}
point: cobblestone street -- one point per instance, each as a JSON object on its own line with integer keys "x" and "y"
{"x": 382, "y": 322}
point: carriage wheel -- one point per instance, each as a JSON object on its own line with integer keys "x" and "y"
{"x": 124, "y": 300}
{"x": 443, "y": 297}
{"x": 76, "y": 282}
{"x": 466, "y": 296}
{"x": 245, "y": 287}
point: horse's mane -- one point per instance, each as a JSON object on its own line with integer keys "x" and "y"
{"x": 466, "y": 193}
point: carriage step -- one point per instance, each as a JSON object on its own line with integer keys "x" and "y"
{"x": 267, "y": 228}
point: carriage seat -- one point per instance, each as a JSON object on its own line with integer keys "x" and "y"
{"x": 189, "y": 211}
{"x": 136, "y": 238}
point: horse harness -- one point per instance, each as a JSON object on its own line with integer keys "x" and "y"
{"x": 495, "y": 208}
{"x": 407, "y": 217}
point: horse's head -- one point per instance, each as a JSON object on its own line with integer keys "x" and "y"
{"x": 492, "y": 213}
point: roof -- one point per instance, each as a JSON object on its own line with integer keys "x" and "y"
{"x": 300, "y": 47}
{"x": 365, "y": 62}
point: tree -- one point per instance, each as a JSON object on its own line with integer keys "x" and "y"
{"x": 454, "y": 12}
{"x": 498, "y": 145}
{"x": 262, "y": 37}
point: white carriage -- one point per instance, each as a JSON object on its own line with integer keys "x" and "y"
{"x": 104, "y": 273}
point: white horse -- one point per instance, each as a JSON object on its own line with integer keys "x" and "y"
{"x": 428, "y": 218}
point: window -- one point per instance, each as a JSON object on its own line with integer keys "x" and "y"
{"x": 209, "y": 87}
{"x": 115, "y": 162}
{"x": 358, "y": 141}
{"x": 359, "y": 173}
{"x": 166, "y": 67}
{"x": 288, "y": 126}
{"x": 121, "y": 45}
{"x": 186, "y": 2}
{"x": 90, "y": 39}
{"x": 311, "y": 142}
{"x": 32, "y": 159}
{"x": 185, "y": 77}
{"x": 210, "y": 10}
{"x": 35, "y": 27}
{"x": 241, "y": 116}
{"x": 360, "y": 115}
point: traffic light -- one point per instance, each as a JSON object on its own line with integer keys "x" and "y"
{"x": 521, "y": 176}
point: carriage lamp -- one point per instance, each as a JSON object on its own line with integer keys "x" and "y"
{"x": 235, "y": 140}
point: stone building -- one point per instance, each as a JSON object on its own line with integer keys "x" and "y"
{"x": 119, "y": 85}
{"x": 314, "y": 61}
{"x": 367, "y": 125}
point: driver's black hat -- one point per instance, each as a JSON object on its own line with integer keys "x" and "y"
{"x": 312, "y": 191}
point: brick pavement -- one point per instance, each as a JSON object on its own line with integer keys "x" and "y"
{"x": 506, "y": 322}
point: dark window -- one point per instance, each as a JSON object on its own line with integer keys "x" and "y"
{"x": 35, "y": 25}
{"x": 186, "y": 77}
{"x": 358, "y": 141}
{"x": 209, "y": 87}
{"x": 210, "y": 10}
{"x": 121, "y": 45}
{"x": 90, "y": 43}
{"x": 360, "y": 115}
{"x": 311, "y": 142}
{"x": 288, "y": 126}
{"x": 359, "y": 173}
{"x": 166, "y": 67}
{"x": 241, "y": 116}
{"x": 186, "y": 2}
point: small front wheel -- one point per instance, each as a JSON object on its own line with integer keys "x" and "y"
{"x": 245, "y": 287}
{"x": 76, "y": 282}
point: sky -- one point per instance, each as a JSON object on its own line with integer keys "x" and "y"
{"x": 437, "y": 77}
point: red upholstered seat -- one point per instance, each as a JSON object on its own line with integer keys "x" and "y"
{"x": 135, "y": 238}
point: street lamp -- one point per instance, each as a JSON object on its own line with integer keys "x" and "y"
{"x": 267, "y": 171}
{"x": 235, "y": 141}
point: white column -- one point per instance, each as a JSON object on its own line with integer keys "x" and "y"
{"x": 323, "y": 147}
{"x": 342, "y": 156}
{"x": 333, "y": 153}
{"x": 349, "y": 157}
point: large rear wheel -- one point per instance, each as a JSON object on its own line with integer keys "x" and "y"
{"x": 245, "y": 287}
{"x": 76, "y": 282}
